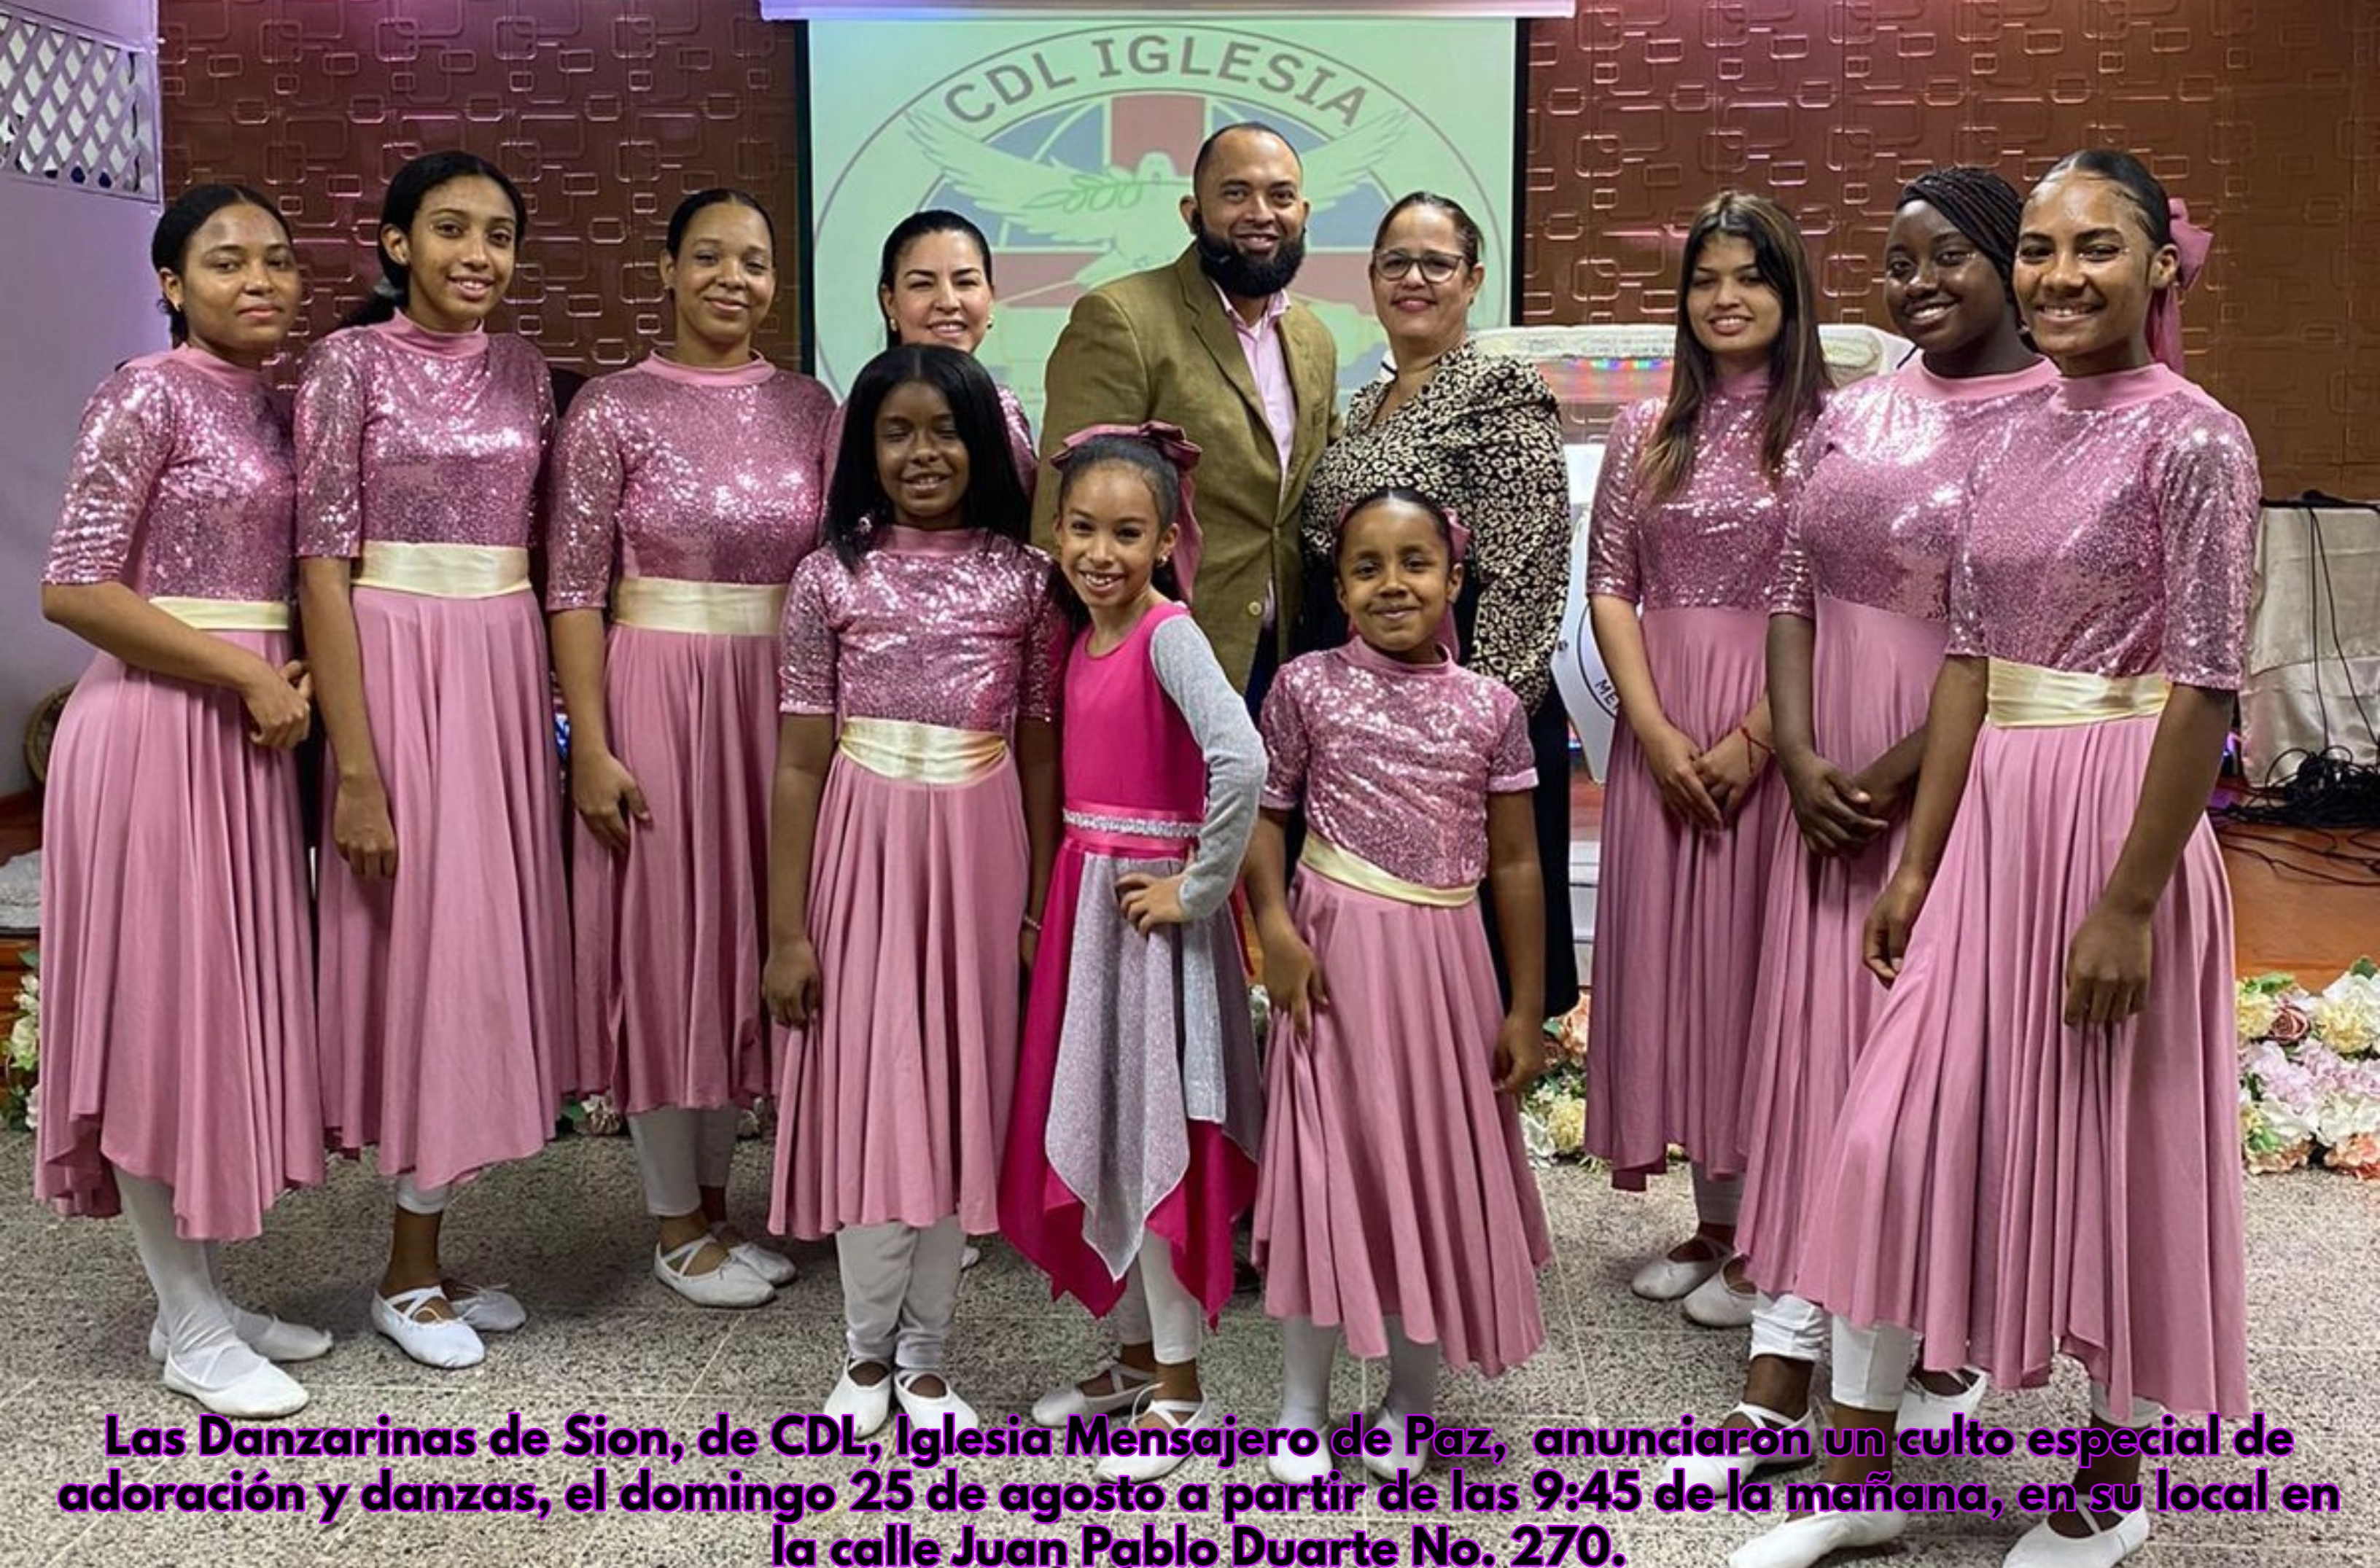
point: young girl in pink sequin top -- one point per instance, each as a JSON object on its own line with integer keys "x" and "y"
{"x": 1688, "y": 524}
{"x": 1394, "y": 1200}
{"x": 177, "y": 1069}
{"x": 914, "y": 820}
{"x": 686, "y": 490}
{"x": 2039, "y": 1147}
{"x": 445, "y": 1000}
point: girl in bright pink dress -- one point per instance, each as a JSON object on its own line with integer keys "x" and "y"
{"x": 1132, "y": 1151}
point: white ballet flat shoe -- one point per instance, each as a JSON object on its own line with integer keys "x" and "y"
{"x": 765, "y": 1262}
{"x": 490, "y": 1309}
{"x": 969, "y": 1256}
{"x": 1297, "y": 1470}
{"x": 1922, "y": 1410}
{"x": 1180, "y": 1415}
{"x": 1804, "y": 1542}
{"x": 1666, "y": 1279}
{"x": 730, "y": 1284}
{"x": 1714, "y": 1470}
{"x": 1714, "y": 1304}
{"x": 447, "y": 1343}
{"x": 869, "y": 1405}
{"x": 1125, "y": 1385}
{"x": 258, "y": 1391}
{"x": 1399, "y": 1461}
{"x": 924, "y": 1411}
{"x": 262, "y": 1333}
{"x": 2042, "y": 1547}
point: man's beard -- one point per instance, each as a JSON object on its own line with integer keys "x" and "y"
{"x": 1249, "y": 277}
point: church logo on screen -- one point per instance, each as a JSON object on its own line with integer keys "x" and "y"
{"x": 1073, "y": 152}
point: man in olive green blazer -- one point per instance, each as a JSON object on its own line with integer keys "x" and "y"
{"x": 1213, "y": 344}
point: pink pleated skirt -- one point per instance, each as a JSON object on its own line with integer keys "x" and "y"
{"x": 1393, "y": 1182}
{"x": 446, "y": 998}
{"x": 1872, "y": 680}
{"x": 178, "y": 1005}
{"x": 895, "y": 1100}
{"x": 669, "y": 935}
{"x": 2011, "y": 1189}
{"x": 1678, "y": 938}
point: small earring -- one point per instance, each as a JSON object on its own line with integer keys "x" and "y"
{"x": 893, "y": 326}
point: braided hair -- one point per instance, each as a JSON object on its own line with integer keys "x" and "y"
{"x": 1979, "y": 204}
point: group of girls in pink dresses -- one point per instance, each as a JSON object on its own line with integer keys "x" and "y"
{"x": 1938, "y": 1014}
{"x": 1948, "y": 1034}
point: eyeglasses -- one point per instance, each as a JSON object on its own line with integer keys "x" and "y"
{"x": 1437, "y": 266}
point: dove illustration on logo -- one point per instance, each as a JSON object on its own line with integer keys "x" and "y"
{"x": 1126, "y": 217}
{"x": 1071, "y": 151}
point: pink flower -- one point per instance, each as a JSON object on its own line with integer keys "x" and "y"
{"x": 2290, "y": 1025}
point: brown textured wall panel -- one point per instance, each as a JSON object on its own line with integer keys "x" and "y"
{"x": 2262, "y": 114}
{"x": 605, "y": 112}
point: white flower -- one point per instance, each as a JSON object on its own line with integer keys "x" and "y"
{"x": 2346, "y": 1015}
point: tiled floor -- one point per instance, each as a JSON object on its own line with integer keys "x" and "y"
{"x": 604, "y": 1337}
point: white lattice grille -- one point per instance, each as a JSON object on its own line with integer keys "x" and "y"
{"x": 76, "y": 109}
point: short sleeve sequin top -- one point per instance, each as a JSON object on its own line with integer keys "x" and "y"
{"x": 407, "y": 436}
{"x": 182, "y": 485}
{"x": 952, "y": 627}
{"x": 1394, "y": 762}
{"x": 2112, "y": 534}
{"x": 698, "y": 475}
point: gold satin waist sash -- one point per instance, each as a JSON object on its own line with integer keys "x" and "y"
{"x": 920, "y": 753}
{"x": 444, "y": 572}
{"x": 713, "y": 609}
{"x": 2026, "y": 696}
{"x": 1325, "y": 858}
{"x": 228, "y": 615}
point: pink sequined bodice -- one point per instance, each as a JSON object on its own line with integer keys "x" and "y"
{"x": 415, "y": 437}
{"x": 1877, "y": 514}
{"x": 2112, "y": 534}
{"x": 951, "y": 627}
{"x": 1395, "y": 762}
{"x": 703, "y": 476}
{"x": 182, "y": 485}
{"x": 1714, "y": 544}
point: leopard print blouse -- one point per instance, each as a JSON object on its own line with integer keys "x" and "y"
{"x": 1484, "y": 436}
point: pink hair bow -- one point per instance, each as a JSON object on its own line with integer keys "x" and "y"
{"x": 1458, "y": 538}
{"x": 2164, "y": 312}
{"x": 1179, "y": 451}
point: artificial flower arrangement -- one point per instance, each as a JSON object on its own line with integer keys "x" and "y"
{"x": 1553, "y": 1113}
{"x": 2309, "y": 1073}
{"x": 24, "y": 1054}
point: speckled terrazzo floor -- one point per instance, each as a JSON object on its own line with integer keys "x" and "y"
{"x": 564, "y": 1229}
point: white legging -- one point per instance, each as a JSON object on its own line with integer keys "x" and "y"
{"x": 680, "y": 1152}
{"x": 1872, "y": 1368}
{"x": 190, "y": 1311}
{"x": 1788, "y": 1327}
{"x": 1716, "y": 1199}
{"x": 1157, "y": 1309}
{"x": 900, "y": 1291}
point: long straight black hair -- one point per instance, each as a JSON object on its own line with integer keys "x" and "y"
{"x": 1797, "y": 363}
{"x": 857, "y": 504}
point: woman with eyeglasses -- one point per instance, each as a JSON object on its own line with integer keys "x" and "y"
{"x": 1481, "y": 434}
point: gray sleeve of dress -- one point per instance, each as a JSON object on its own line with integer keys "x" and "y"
{"x": 1218, "y": 718}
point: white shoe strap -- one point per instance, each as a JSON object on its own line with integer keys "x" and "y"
{"x": 408, "y": 1304}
